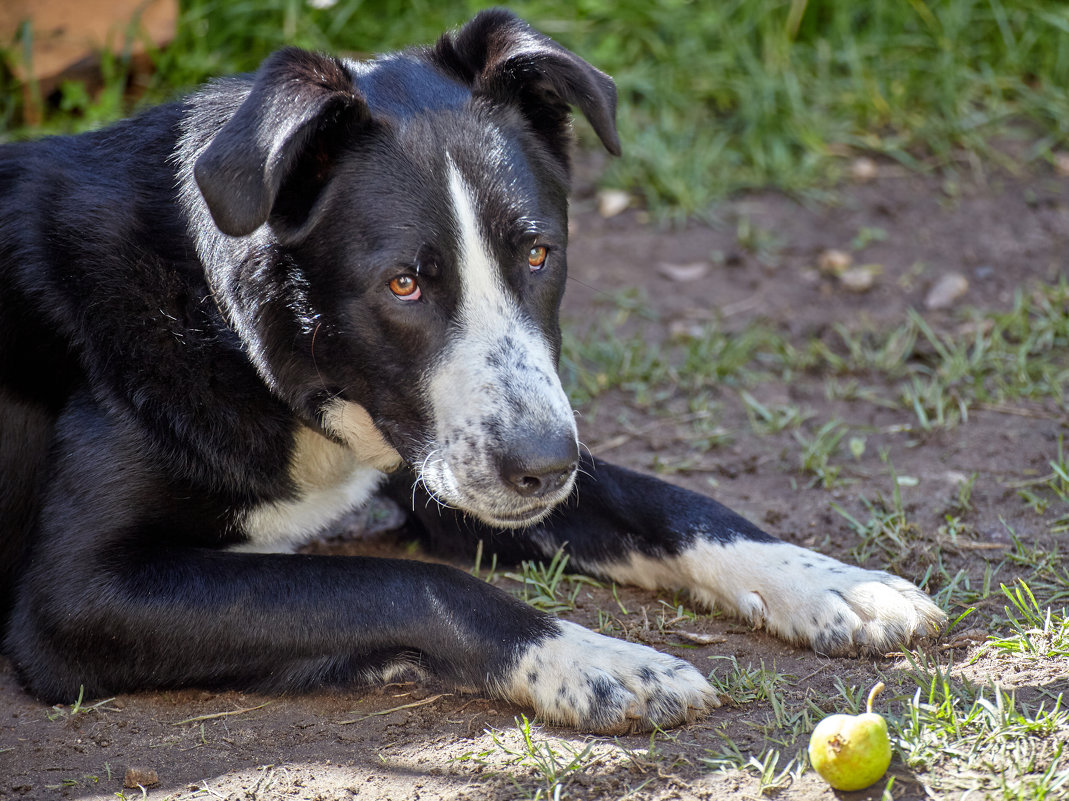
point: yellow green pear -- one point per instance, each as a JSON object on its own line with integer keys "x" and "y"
{"x": 851, "y": 752}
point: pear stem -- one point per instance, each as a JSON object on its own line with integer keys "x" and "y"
{"x": 872, "y": 695}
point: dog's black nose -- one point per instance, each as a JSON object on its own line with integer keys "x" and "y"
{"x": 540, "y": 465}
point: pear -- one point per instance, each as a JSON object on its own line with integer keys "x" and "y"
{"x": 851, "y": 752}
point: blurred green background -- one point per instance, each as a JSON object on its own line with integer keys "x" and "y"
{"x": 716, "y": 96}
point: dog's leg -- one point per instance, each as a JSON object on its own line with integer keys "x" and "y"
{"x": 25, "y": 434}
{"x": 167, "y": 616}
{"x": 639, "y": 530}
{"x": 125, "y": 590}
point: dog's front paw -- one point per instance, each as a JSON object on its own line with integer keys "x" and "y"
{"x": 600, "y": 684}
{"x": 797, "y": 594}
{"x": 834, "y": 608}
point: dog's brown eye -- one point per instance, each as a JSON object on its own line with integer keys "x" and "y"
{"x": 405, "y": 287}
{"x": 536, "y": 256}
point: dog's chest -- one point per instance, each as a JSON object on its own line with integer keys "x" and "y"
{"x": 330, "y": 480}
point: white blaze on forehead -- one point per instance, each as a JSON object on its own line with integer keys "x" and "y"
{"x": 481, "y": 287}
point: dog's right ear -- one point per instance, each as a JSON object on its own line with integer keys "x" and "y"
{"x": 500, "y": 55}
{"x": 299, "y": 105}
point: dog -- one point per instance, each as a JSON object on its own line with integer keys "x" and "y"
{"x": 230, "y": 319}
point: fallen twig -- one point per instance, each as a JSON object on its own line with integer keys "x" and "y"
{"x": 701, "y": 639}
{"x": 425, "y": 701}
{"x": 221, "y": 714}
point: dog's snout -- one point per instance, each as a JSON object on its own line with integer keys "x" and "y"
{"x": 540, "y": 465}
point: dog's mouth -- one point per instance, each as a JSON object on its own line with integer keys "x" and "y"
{"x": 491, "y": 502}
{"x": 499, "y": 518}
{"x": 515, "y": 519}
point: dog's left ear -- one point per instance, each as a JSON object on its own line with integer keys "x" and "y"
{"x": 301, "y": 107}
{"x": 500, "y": 55}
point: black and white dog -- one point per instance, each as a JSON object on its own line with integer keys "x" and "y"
{"x": 232, "y": 318}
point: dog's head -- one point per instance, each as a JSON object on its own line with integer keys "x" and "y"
{"x": 392, "y": 251}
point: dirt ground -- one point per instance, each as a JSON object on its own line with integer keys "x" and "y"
{"x": 758, "y": 263}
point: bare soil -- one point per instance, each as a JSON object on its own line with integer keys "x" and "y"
{"x": 424, "y": 741}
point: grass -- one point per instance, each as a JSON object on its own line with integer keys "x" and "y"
{"x": 817, "y": 451}
{"x": 888, "y": 534}
{"x": 970, "y": 738}
{"x": 549, "y": 587}
{"x": 768, "y": 419}
{"x": 1037, "y": 632}
{"x": 957, "y": 734}
{"x": 770, "y": 776}
{"x": 937, "y": 378}
{"x": 620, "y": 353}
{"x": 714, "y": 97}
{"x": 746, "y": 684}
{"x": 63, "y": 712}
{"x": 537, "y": 766}
{"x": 1051, "y": 490}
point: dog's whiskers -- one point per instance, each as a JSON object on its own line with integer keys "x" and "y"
{"x": 421, "y": 480}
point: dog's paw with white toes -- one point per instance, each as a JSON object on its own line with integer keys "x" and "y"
{"x": 795, "y": 593}
{"x": 601, "y": 684}
{"x": 834, "y": 608}
{"x": 840, "y": 609}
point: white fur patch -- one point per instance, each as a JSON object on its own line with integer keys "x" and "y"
{"x": 798, "y": 594}
{"x": 605, "y": 685}
{"x": 330, "y": 480}
{"x": 496, "y": 377}
{"x": 482, "y": 290}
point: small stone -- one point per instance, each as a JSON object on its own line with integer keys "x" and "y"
{"x": 955, "y": 478}
{"x": 139, "y": 777}
{"x": 682, "y": 330}
{"x": 683, "y": 273}
{"x": 971, "y": 328}
{"x": 834, "y": 262}
{"x": 946, "y": 291}
{"x": 860, "y": 279}
{"x": 864, "y": 169}
{"x": 612, "y": 202}
{"x": 1061, "y": 163}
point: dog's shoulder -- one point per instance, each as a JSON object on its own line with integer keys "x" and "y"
{"x": 101, "y": 283}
